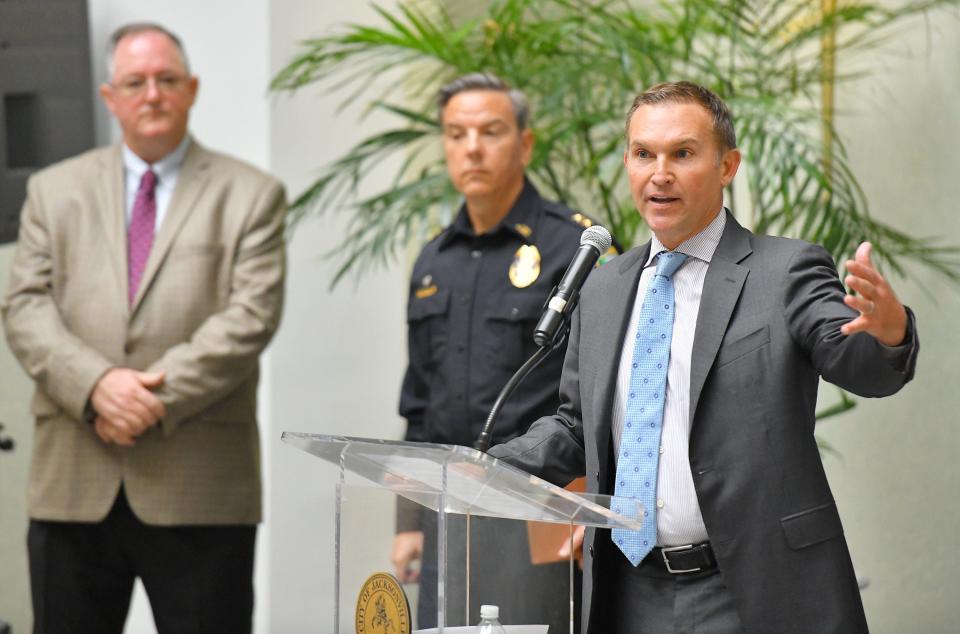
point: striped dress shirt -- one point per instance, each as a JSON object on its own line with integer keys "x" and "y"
{"x": 679, "y": 521}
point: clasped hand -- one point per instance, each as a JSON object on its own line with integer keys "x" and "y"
{"x": 125, "y": 405}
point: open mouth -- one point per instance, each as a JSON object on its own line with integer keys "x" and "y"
{"x": 663, "y": 200}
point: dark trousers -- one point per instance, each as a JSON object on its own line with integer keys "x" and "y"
{"x": 198, "y": 578}
{"x": 644, "y": 599}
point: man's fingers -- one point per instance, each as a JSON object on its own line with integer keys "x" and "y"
{"x": 110, "y": 432}
{"x": 864, "y": 254}
{"x": 861, "y": 285}
{"x": 125, "y": 393}
{"x": 125, "y": 423}
{"x": 149, "y": 405}
{"x": 859, "y": 324}
{"x": 98, "y": 426}
{"x": 151, "y": 379}
{"x": 863, "y": 272}
{"x": 860, "y": 304}
{"x": 576, "y": 542}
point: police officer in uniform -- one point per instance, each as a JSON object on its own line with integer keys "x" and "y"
{"x": 476, "y": 292}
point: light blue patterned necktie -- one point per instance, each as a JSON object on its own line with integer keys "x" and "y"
{"x": 643, "y": 419}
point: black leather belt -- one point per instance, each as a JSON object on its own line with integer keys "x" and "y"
{"x": 682, "y": 560}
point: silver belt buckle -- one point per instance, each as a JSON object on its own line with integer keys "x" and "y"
{"x": 666, "y": 560}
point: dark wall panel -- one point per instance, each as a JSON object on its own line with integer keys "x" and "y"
{"x": 46, "y": 96}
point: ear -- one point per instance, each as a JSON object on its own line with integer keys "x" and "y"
{"x": 729, "y": 165}
{"x": 527, "y": 141}
{"x": 193, "y": 85}
{"x": 106, "y": 95}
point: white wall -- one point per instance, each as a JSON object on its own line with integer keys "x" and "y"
{"x": 15, "y": 388}
{"x": 896, "y": 480}
{"x": 338, "y": 359}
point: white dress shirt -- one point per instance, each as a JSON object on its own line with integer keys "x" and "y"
{"x": 679, "y": 521}
{"x": 166, "y": 169}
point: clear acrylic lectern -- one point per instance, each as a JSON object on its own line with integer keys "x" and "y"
{"x": 451, "y": 481}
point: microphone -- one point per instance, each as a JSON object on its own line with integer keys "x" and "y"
{"x": 593, "y": 242}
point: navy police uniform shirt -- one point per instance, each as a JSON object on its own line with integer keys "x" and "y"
{"x": 473, "y": 305}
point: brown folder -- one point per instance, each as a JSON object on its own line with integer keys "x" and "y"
{"x": 547, "y": 538}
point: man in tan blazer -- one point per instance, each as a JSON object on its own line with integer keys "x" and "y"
{"x": 148, "y": 278}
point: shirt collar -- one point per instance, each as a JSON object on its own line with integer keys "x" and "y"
{"x": 521, "y": 220}
{"x": 165, "y": 168}
{"x": 701, "y": 245}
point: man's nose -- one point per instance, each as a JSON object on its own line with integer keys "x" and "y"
{"x": 473, "y": 141}
{"x": 663, "y": 173}
{"x": 152, "y": 89}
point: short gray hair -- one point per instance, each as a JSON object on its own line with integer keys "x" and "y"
{"x": 142, "y": 27}
{"x": 486, "y": 81}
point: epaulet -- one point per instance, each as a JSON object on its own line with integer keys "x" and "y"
{"x": 582, "y": 219}
{"x": 435, "y": 231}
{"x": 563, "y": 212}
{"x": 586, "y": 222}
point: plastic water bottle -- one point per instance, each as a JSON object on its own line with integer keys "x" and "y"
{"x": 490, "y": 620}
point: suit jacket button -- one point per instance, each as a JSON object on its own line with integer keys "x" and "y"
{"x": 591, "y": 550}
{"x": 596, "y": 475}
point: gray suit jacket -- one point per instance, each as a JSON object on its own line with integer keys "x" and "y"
{"x": 208, "y": 303}
{"x": 768, "y": 329}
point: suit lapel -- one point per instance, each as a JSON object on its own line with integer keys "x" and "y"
{"x": 721, "y": 291}
{"x": 620, "y": 296}
{"x": 190, "y": 185}
{"x": 111, "y": 208}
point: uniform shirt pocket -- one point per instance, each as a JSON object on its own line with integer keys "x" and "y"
{"x": 428, "y": 321}
{"x": 510, "y": 323}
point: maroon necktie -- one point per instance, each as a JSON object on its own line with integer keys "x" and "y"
{"x": 140, "y": 232}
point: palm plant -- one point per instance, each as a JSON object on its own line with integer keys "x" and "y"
{"x": 581, "y": 62}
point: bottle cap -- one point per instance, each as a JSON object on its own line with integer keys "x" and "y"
{"x": 489, "y": 612}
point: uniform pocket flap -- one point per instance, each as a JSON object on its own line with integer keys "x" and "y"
{"x": 812, "y": 526}
{"x": 428, "y": 306}
{"x": 523, "y": 307}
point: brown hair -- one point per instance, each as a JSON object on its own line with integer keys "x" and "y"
{"x": 688, "y": 92}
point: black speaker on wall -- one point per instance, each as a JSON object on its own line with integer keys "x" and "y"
{"x": 46, "y": 94}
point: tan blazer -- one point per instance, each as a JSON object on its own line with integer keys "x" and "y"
{"x": 209, "y": 301}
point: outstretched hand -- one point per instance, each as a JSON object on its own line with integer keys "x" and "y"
{"x": 881, "y": 313}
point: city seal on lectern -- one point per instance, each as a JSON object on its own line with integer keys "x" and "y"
{"x": 382, "y": 607}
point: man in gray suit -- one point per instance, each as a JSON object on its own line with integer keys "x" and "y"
{"x": 148, "y": 278}
{"x": 743, "y": 529}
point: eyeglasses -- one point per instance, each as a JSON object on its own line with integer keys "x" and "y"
{"x": 136, "y": 86}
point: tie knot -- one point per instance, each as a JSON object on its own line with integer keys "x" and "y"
{"x": 148, "y": 181}
{"x": 668, "y": 262}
